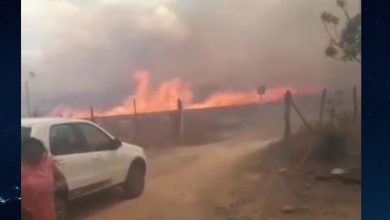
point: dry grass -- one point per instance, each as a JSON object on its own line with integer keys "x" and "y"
{"x": 201, "y": 126}
{"x": 297, "y": 187}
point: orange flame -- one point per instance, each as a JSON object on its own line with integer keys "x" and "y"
{"x": 164, "y": 98}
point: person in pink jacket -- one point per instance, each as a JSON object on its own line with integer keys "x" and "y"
{"x": 39, "y": 175}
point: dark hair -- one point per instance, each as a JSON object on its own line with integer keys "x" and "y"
{"x": 33, "y": 151}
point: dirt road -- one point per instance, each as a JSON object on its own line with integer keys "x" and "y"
{"x": 181, "y": 184}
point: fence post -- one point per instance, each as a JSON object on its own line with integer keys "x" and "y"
{"x": 355, "y": 104}
{"x": 135, "y": 121}
{"x": 322, "y": 106}
{"x": 179, "y": 122}
{"x": 287, "y": 113}
{"x": 92, "y": 113}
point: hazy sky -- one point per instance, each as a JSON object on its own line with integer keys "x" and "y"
{"x": 85, "y": 52}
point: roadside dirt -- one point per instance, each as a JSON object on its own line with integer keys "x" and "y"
{"x": 182, "y": 183}
{"x": 287, "y": 190}
{"x": 240, "y": 179}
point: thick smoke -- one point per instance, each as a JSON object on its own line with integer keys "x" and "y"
{"x": 86, "y": 54}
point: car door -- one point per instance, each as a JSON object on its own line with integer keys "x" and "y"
{"x": 72, "y": 157}
{"x": 104, "y": 156}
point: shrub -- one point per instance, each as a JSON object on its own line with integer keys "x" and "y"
{"x": 331, "y": 143}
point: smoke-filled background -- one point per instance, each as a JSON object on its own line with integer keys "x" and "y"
{"x": 85, "y": 52}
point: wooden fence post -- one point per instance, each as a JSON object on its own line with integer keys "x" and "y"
{"x": 135, "y": 121}
{"x": 355, "y": 104}
{"x": 179, "y": 122}
{"x": 322, "y": 106}
{"x": 92, "y": 113}
{"x": 287, "y": 113}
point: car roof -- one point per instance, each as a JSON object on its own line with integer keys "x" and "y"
{"x": 29, "y": 122}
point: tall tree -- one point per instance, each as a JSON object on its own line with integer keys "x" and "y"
{"x": 344, "y": 45}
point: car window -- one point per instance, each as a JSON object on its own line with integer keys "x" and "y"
{"x": 96, "y": 139}
{"x": 25, "y": 133}
{"x": 64, "y": 140}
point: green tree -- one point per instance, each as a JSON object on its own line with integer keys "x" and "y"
{"x": 344, "y": 46}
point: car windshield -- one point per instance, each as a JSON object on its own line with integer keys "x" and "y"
{"x": 25, "y": 133}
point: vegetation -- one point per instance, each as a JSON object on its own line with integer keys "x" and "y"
{"x": 344, "y": 46}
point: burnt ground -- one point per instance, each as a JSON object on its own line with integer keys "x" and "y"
{"x": 205, "y": 126}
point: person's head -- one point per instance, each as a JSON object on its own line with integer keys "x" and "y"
{"x": 33, "y": 151}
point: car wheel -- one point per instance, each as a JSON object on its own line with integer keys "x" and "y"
{"x": 61, "y": 208}
{"x": 135, "y": 181}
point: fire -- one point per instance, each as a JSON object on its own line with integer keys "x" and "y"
{"x": 164, "y": 98}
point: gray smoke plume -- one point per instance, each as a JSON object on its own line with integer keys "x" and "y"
{"x": 86, "y": 53}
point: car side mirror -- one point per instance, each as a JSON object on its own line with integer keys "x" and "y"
{"x": 115, "y": 143}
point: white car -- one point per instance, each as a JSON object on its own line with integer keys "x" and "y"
{"x": 88, "y": 156}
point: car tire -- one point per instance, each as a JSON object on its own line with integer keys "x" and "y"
{"x": 135, "y": 181}
{"x": 61, "y": 206}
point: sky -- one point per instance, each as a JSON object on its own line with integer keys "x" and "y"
{"x": 85, "y": 52}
